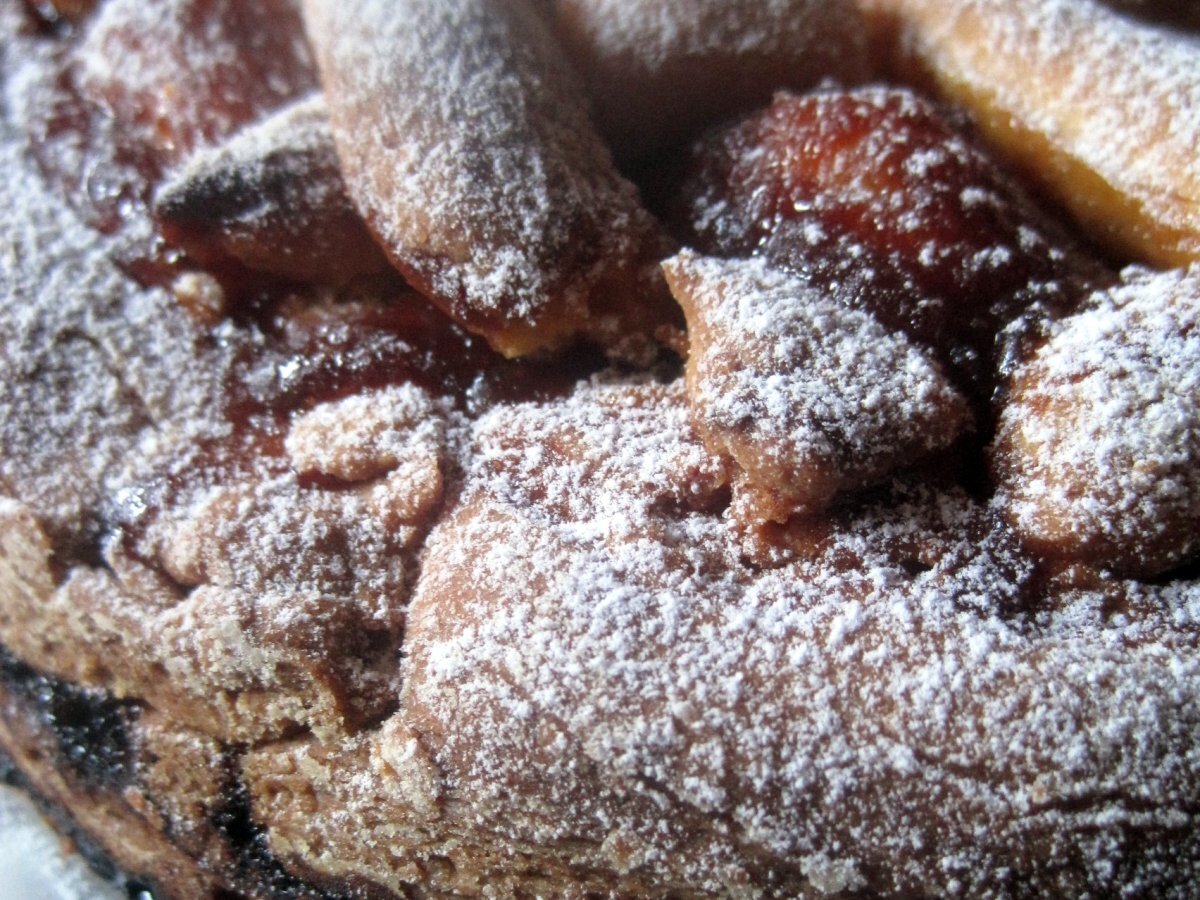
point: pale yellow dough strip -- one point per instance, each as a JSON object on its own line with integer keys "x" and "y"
{"x": 1102, "y": 110}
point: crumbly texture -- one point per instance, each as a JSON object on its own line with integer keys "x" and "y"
{"x": 315, "y": 595}
{"x": 273, "y": 198}
{"x": 1098, "y": 452}
{"x": 585, "y": 646}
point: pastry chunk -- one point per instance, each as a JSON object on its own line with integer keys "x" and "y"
{"x": 1109, "y": 126}
{"x": 1098, "y": 450}
{"x": 307, "y": 592}
{"x": 143, "y": 85}
{"x": 658, "y": 73}
{"x": 876, "y": 197}
{"x": 466, "y": 142}
{"x": 808, "y": 397}
{"x": 272, "y": 197}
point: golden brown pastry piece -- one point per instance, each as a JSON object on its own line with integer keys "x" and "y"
{"x": 600, "y": 693}
{"x": 181, "y": 74}
{"x": 272, "y": 197}
{"x": 465, "y": 140}
{"x": 1100, "y": 109}
{"x": 318, "y": 597}
{"x": 807, "y": 396}
{"x": 659, "y": 73}
{"x": 1098, "y": 450}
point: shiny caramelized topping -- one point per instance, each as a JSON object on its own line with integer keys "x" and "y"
{"x": 143, "y": 85}
{"x": 875, "y": 196}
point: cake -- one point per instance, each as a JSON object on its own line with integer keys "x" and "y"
{"x": 533, "y": 448}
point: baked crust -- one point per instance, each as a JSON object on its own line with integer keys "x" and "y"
{"x": 308, "y": 589}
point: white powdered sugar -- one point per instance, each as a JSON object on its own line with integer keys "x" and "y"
{"x": 38, "y": 863}
{"x": 1111, "y": 123}
{"x": 466, "y": 142}
{"x": 181, "y": 75}
{"x": 512, "y": 639}
{"x": 658, "y": 74}
{"x": 1099, "y": 447}
{"x": 856, "y": 706}
{"x": 808, "y": 395}
{"x": 93, "y": 365}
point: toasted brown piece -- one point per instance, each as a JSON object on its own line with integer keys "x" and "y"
{"x": 659, "y": 73}
{"x": 1098, "y": 451}
{"x": 808, "y": 397}
{"x": 263, "y": 597}
{"x": 877, "y": 196}
{"x": 1109, "y": 126}
{"x": 273, "y": 198}
{"x": 467, "y": 144}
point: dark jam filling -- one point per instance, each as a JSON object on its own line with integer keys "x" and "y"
{"x": 90, "y": 727}
{"x": 255, "y": 863}
{"x": 92, "y": 731}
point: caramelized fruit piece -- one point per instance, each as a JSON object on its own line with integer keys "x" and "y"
{"x": 466, "y": 142}
{"x": 273, "y": 198}
{"x": 143, "y": 86}
{"x": 322, "y": 351}
{"x": 1097, "y": 455}
{"x": 873, "y": 195}
{"x": 809, "y": 398}
{"x": 180, "y": 74}
{"x": 658, "y": 73}
{"x": 1109, "y": 125}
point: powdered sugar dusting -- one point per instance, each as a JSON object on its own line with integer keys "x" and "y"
{"x": 466, "y": 142}
{"x": 182, "y": 75}
{"x": 300, "y": 131}
{"x": 1117, "y": 99}
{"x": 74, "y": 327}
{"x": 488, "y": 644}
{"x": 807, "y": 715}
{"x": 1099, "y": 448}
{"x": 660, "y": 34}
{"x": 809, "y": 396}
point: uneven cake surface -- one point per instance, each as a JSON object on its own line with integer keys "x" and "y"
{"x": 830, "y": 534}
